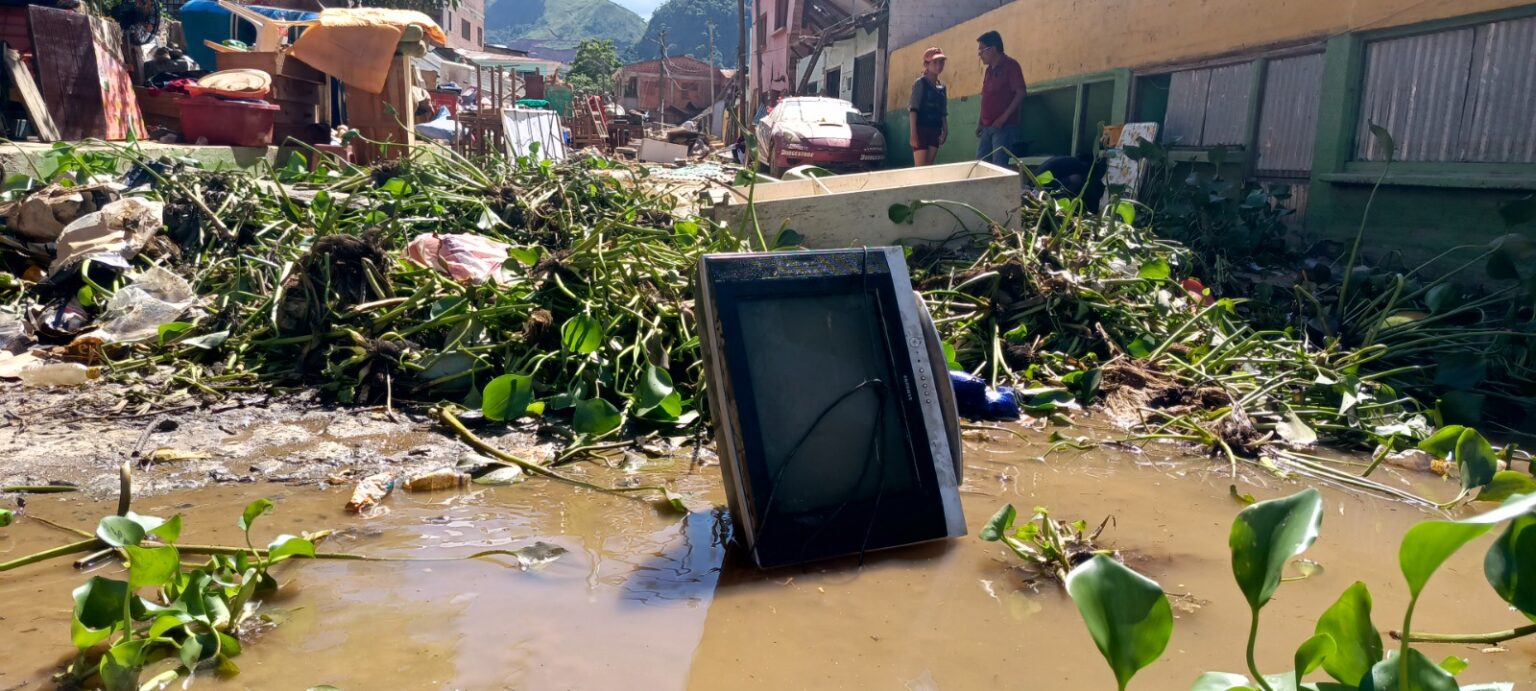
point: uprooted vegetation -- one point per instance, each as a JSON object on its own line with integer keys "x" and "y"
{"x": 521, "y": 288}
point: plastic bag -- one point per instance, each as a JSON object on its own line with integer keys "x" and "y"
{"x": 137, "y": 310}
{"x": 113, "y": 235}
{"x": 977, "y": 402}
{"x": 459, "y": 256}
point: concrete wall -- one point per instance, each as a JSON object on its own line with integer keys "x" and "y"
{"x": 912, "y": 20}
{"x": 1053, "y": 40}
{"x": 839, "y": 55}
{"x": 770, "y": 46}
{"x": 1421, "y": 210}
{"x": 454, "y": 19}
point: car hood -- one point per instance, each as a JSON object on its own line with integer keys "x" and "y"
{"x": 833, "y": 134}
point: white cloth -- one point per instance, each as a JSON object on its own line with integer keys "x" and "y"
{"x": 526, "y": 126}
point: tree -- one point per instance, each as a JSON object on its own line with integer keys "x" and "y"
{"x": 687, "y": 25}
{"x": 591, "y": 71}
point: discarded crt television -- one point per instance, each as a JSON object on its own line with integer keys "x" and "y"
{"x": 834, "y": 417}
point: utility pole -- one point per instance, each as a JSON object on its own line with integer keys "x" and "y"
{"x": 666, "y": 80}
{"x": 710, "y": 25}
{"x": 741, "y": 64}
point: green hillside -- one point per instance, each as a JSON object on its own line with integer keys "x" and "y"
{"x": 560, "y": 23}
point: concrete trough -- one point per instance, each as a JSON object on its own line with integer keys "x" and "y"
{"x": 854, "y": 210}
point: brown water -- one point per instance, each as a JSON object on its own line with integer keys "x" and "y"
{"x": 646, "y": 600}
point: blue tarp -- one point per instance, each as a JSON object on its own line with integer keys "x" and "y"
{"x": 205, "y": 20}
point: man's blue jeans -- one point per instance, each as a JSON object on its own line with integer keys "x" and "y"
{"x": 995, "y": 145}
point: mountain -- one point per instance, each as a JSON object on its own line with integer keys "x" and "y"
{"x": 687, "y": 25}
{"x": 560, "y": 24}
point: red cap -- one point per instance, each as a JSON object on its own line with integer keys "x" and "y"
{"x": 933, "y": 54}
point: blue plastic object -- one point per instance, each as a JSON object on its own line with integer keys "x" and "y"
{"x": 205, "y": 20}
{"x": 976, "y": 401}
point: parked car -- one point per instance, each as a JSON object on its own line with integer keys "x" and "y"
{"x": 826, "y": 132}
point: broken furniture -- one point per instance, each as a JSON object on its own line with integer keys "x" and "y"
{"x": 855, "y": 210}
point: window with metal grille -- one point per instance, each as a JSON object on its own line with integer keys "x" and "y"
{"x": 1293, "y": 89}
{"x": 1209, "y": 106}
{"x": 1463, "y": 95}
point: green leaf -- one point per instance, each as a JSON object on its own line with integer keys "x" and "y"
{"x": 949, "y": 358}
{"x": 1312, "y": 654}
{"x": 788, "y": 239}
{"x": 655, "y": 391}
{"x": 901, "y": 213}
{"x": 596, "y": 417}
{"x": 1018, "y": 334}
{"x": 1427, "y": 545}
{"x": 1454, "y": 665}
{"x": 1000, "y": 524}
{"x": 1127, "y": 212}
{"x": 1084, "y": 384}
{"x": 289, "y": 546}
{"x": 1044, "y": 400}
{"x": 121, "y": 664}
{"x": 1267, "y": 535}
{"x": 155, "y": 566}
{"x": 169, "y": 332}
{"x": 1442, "y": 443}
{"x": 253, "y": 511}
{"x": 673, "y": 502}
{"x": 166, "y": 530}
{"x": 86, "y": 295}
{"x": 1155, "y": 270}
{"x": 581, "y": 334}
{"x": 507, "y": 397}
{"x": 527, "y": 256}
{"x": 1423, "y": 675}
{"x": 1357, "y": 642}
{"x": 1141, "y": 347}
{"x": 689, "y": 228}
{"x": 119, "y": 531}
{"x": 98, "y": 610}
{"x": 1512, "y": 556}
{"x": 1126, "y": 613}
{"x": 6, "y": 517}
{"x": 1476, "y": 458}
{"x": 1441, "y": 298}
{"x": 190, "y": 652}
{"x": 1506, "y": 484}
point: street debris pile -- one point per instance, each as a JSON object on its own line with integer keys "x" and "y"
{"x": 1082, "y": 309}
{"x": 512, "y": 288}
{"x": 563, "y": 290}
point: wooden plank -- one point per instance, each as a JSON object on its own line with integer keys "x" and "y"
{"x": 37, "y": 109}
{"x": 67, "y": 72}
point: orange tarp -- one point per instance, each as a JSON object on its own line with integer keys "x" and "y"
{"x": 357, "y": 45}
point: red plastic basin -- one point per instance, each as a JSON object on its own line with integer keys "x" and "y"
{"x": 229, "y": 123}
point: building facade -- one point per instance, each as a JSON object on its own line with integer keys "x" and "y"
{"x": 1287, "y": 90}
{"x": 464, "y": 24}
{"x": 681, "y": 87}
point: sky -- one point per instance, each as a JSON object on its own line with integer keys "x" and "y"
{"x": 641, "y": 7}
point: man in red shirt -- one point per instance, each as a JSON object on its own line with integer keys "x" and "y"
{"x": 1002, "y": 92}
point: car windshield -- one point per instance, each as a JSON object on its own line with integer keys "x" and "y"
{"x": 822, "y": 111}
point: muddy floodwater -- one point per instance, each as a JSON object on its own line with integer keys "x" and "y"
{"x": 648, "y": 600}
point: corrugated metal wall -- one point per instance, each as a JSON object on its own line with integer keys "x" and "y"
{"x": 1416, "y": 88}
{"x": 1209, "y": 106}
{"x": 1226, "y": 109}
{"x": 1293, "y": 90}
{"x": 1500, "y": 127}
{"x": 1185, "y": 121}
{"x": 1465, "y": 95}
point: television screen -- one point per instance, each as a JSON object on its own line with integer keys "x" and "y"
{"x": 831, "y": 432}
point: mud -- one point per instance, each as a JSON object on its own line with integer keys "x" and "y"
{"x": 651, "y": 600}
{"x": 81, "y": 436}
